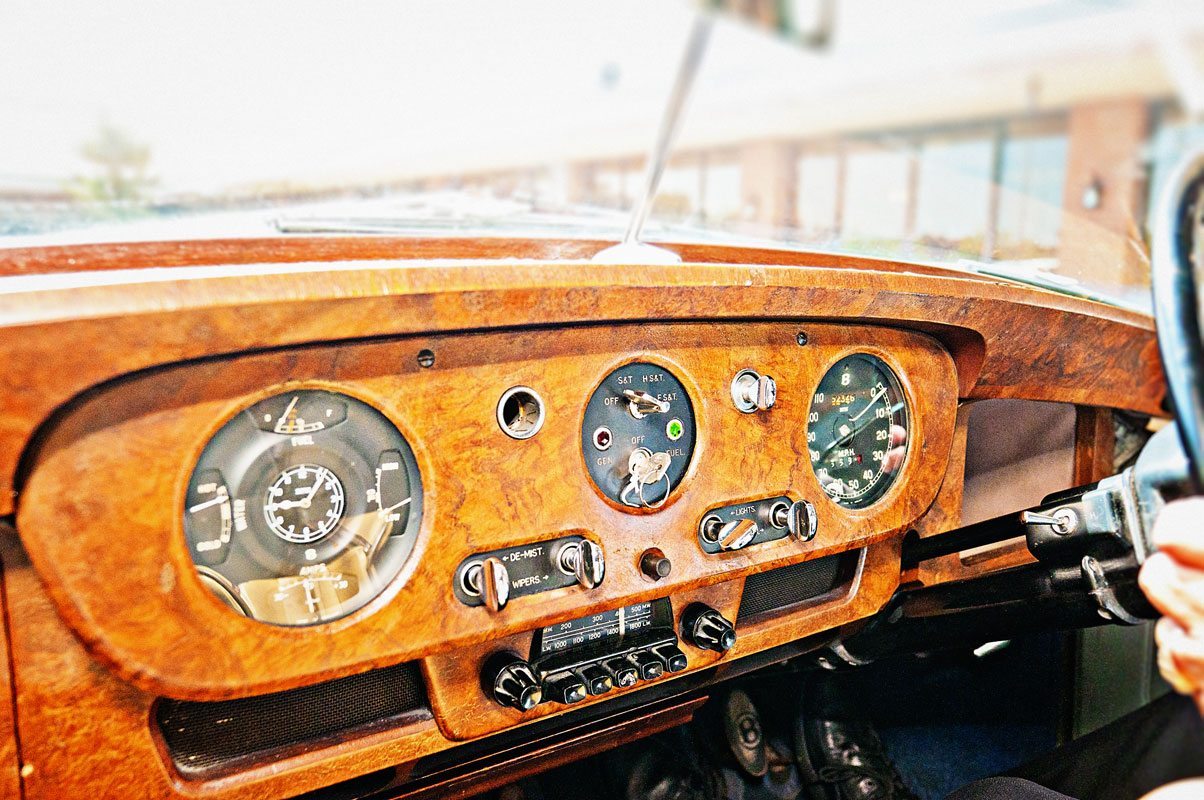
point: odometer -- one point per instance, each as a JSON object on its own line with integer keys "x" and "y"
{"x": 857, "y": 430}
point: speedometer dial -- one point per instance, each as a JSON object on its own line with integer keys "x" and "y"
{"x": 857, "y": 430}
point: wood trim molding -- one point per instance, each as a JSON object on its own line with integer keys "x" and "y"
{"x": 108, "y": 538}
{"x": 67, "y": 333}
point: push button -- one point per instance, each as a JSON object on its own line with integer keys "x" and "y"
{"x": 622, "y": 672}
{"x": 649, "y": 666}
{"x": 672, "y": 656}
{"x": 596, "y": 679}
{"x": 564, "y": 687}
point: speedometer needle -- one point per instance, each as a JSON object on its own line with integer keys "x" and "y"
{"x": 868, "y": 405}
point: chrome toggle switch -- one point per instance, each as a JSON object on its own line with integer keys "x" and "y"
{"x": 732, "y": 535}
{"x": 585, "y": 561}
{"x": 752, "y": 391}
{"x": 798, "y": 518}
{"x": 641, "y": 404}
{"x": 489, "y": 580}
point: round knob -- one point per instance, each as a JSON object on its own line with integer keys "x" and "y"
{"x": 655, "y": 564}
{"x": 513, "y": 683}
{"x": 704, "y": 627}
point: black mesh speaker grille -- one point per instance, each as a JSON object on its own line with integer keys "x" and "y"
{"x": 787, "y": 586}
{"x": 207, "y": 736}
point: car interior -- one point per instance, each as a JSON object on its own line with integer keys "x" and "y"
{"x": 594, "y": 401}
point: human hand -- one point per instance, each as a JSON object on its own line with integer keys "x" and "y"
{"x": 1173, "y": 580}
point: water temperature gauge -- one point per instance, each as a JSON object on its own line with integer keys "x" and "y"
{"x": 303, "y": 507}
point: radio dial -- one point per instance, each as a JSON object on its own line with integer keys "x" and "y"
{"x": 514, "y": 683}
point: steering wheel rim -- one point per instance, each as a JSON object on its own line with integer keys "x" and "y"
{"x": 1176, "y": 303}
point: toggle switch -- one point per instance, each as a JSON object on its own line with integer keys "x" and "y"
{"x": 752, "y": 391}
{"x": 732, "y": 535}
{"x": 585, "y": 561}
{"x": 797, "y": 517}
{"x": 488, "y": 580}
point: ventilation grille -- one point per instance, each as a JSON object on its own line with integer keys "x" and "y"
{"x": 204, "y": 737}
{"x": 798, "y": 583}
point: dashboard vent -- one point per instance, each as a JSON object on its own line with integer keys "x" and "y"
{"x": 208, "y": 737}
{"x": 786, "y": 587}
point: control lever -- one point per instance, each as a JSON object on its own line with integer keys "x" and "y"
{"x": 641, "y": 404}
{"x": 798, "y": 518}
{"x": 1062, "y": 521}
{"x": 752, "y": 391}
{"x": 585, "y": 561}
{"x": 732, "y": 535}
{"x": 489, "y": 580}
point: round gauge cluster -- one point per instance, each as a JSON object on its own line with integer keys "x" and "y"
{"x": 303, "y": 507}
{"x": 857, "y": 430}
{"x": 638, "y": 435}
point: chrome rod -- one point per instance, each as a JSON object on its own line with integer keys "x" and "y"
{"x": 670, "y": 122}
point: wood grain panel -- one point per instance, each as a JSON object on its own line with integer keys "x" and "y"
{"x": 65, "y": 333}
{"x": 10, "y": 755}
{"x": 102, "y": 512}
{"x": 87, "y": 733}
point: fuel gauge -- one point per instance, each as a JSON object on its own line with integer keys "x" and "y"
{"x": 298, "y": 413}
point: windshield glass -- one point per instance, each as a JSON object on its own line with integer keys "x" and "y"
{"x": 1024, "y": 137}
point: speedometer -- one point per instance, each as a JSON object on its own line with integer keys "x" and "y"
{"x": 857, "y": 430}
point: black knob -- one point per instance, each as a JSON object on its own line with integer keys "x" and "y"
{"x": 512, "y": 682}
{"x": 596, "y": 679}
{"x": 565, "y": 687}
{"x": 655, "y": 565}
{"x": 703, "y": 626}
{"x": 649, "y": 666}
{"x": 671, "y": 654}
{"x": 622, "y": 672}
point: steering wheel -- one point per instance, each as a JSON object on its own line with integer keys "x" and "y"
{"x": 1178, "y": 260}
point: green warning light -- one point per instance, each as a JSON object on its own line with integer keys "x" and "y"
{"x": 674, "y": 430}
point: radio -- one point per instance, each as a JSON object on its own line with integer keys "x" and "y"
{"x": 588, "y": 656}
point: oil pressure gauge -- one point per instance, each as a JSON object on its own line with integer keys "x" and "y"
{"x": 303, "y": 507}
{"x": 638, "y": 434}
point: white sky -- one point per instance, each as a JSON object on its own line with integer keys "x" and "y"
{"x": 233, "y": 93}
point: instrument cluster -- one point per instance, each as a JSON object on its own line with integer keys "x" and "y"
{"x": 303, "y": 508}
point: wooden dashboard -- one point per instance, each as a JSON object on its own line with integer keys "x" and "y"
{"x": 123, "y": 363}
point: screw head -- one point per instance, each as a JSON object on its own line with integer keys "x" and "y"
{"x": 426, "y": 358}
{"x": 801, "y": 338}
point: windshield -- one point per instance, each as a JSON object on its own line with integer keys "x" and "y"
{"x": 1024, "y": 137}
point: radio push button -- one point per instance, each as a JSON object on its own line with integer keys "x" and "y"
{"x": 596, "y": 679}
{"x": 650, "y": 667}
{"x": 672, "y": 656}
{"x": 564, "y": 687}
{"x": 622, "y": 672}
